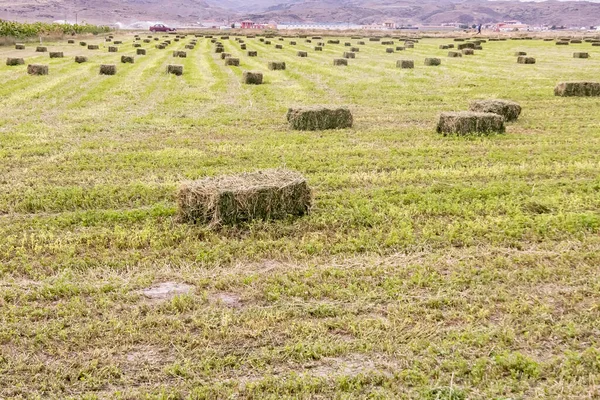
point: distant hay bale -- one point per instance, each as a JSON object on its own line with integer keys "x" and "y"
{"x": 175, "y": 69}
{"x": 374, "y": 39}
{"x": 302, "y": 54}
{"x": 468, "y": 122}
{"x": 454, "y": 54}
{"x": 348, "y": 44}
{"x": 267, "y": 42}
{"x": 596, "y": 44}
{"x": 581, "y": 55}
{"x": 292, "y": 43}
{"x": 141, "y": 52}
{"x": 577, "y": 89}
{"x": 319, "y": 118}
{"x": 253, "y": 53}
{"x": 332, "y": 41}
{"x": 409, "y": 46}
{"x": 468, "y": 52}
{"x": 459, "y": 40}
{"x": 108, "y": 40}
{"x": 232, "y": 62}
{"x": 506, "y": 108}
{"x": 318, "y": 48}
{"x": 242, "y": 47}
{"x": 520, "y": 54}
{"x": 433, "y": 61}
{"x": 400, "y": 48}
{"x": 466, "y": 46}
{"x": 252, "y": 78}
{"x": 225, "y": 55}
{"x": 137, "y": 45}
{"x": 70, "y": 41}
{"x": 160, "y": 46}
{"x": 127, "y": 59}
{"x": 526, "y": 60}
{"x": 83, "y": 44}
{"x": 561, "y": 43}
{"x": 478, "y": 48}
{"x": 156, "y": 39}
{"x": 355, "y": 49}
{"x": 387, "y": 43}
{"x": 108, "y": 69}
{"x": 93, "y": 47}
{"x": 405, "y": 64}
{"x": 11, "y": 62}
{"x": 56, "y": 54}
{"x": 80, "y": 59}
{"x": 179, "y": 54}
{"x": 389, "y": 50}
{"x": 37, "y": 69}
{"x": 41, "y": 49}
{"x": 576, "y": 41}
{"x": 147, "y": 41}
{"x": 113, "y": 49}
{"x": 361, "y": 43}
{"x": 443, "y": 47}
{"x": 278, "y": 47}
{"x": 19, "y": 46}
{"x": 349, "y": 54}
{"x": 230, "y": 200}
{"x": 451, "y": 46}
{"x": 219, "y": 50}
{"x": 340, "y": 62}
{"x": 276, "y": 65}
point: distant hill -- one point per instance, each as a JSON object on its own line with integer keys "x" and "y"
{"x": 568, "y": 13}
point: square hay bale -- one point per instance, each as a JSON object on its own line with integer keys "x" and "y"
{"x": 577, "y": 89}
{"x": 318, "y": 48}
{"x": 11, "y": 62}
{"x": 374, "y": 39}
{"x": 93, "y": 47}
{"x": 355, "y": 49}
{"x": 41, "y": 49}
{"x": 56, "y": 54}
{"x": 389, "y": 50}
{"x": 387, "y": 43}
{"x": 127, "y": 59}
{"x": 468, "y": 122}
{"x": 405, "y": 64}
{"x": 80, "y": 59}
{"x": 242, "y": 47}
{"x": 302, "y": 54}
{"x": 520, "y": 54}
{"x": 278, "y": 46}
{"x": 292, "y": 43}
{"x": 113, "y": 49}
{"x": 230, "y": 200}
{"x": 19, "y": 46}
{"x": 276, "y": 65}
{"x": 179, "y": 54}
{"x": 596, "y": 44}
{"x": 576, "y": 41}
{"x": 409, "y": 46}
{"x": 319, "y": 118}
{"x": 468, "y": 52}
{"x": 459, "y": 40}
{"x": 561, "y": 43}
{"x": 581, "y": 55}
{"x": 160, "y": 46}
{"x": 108, "y": 69}
{"x": 361, "y": 43}
{"x": 510, "y": 110}
{"x": 136, "y": 45}
{"x": 252, "y": 78}
{"x": 454, "y": 54}
{"x": 349, "y": 54}
{"x": 232, "y": 62}
{"x": 70, "y": 41}
{"x": 252, "y": 53}
{"x": 141, "y": 52}
{"x": 156, "y": 39}
{"x": 340, "y": 62}
{"x": 466, "y": 46}
{"x": 37, "y": 69}
{"x": 526, "y": 60}
{"x": 331, "y": 41}
{"x": 443, "y": 47}
{"x": 219, "y": 50}
{"x": 108, "y": 40}
{"x": 433, "y": 61}
{"x": 400, "y": 48}
{"x": 147, "y": 41}
{"x": 267, "y": 42}
{"x": 451, "y": 46}
{"x": 175, "y": 69}
{"x": 347, "y": 44}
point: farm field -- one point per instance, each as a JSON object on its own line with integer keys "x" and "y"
{"x": 430, "y": 267}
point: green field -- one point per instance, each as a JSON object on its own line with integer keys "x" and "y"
{"x": 430, "y": 267}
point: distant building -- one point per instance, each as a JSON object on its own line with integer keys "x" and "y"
{"x": 252, "y": 25}
{"x": 508, "y": 26}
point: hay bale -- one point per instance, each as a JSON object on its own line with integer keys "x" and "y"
{"x": 466, "y": 46}
{"x": 175, "y": 69}
{"x": 318, "y": 48}
{"x": 243, "y": 47}
{"x": 520, "y": 54}
{"x": 141, "y": 52}
{"x": 433, "y": 61}
{"x": 468, "y": 52}
{"x": 252, "y": 78}
{"x": 93, "y": 47}
{"x": 409, "y": 46}
{"x": 253, "y": 53}
{"x": 577, "y": 89}
{"x": 389, "y": 50}
{"x": 113, "y": 49}
{"x": 595, "y": 44}
{"x": 179, "y": 54}
{"x": 506, "y": 108}
{"x": 348, "y": 44}
{"x": 160, "y": 46}
{"x": 581, "y": 55}
{"x": 405, "y": 64}
{"x": 349, "y": 54}
{"x": 219, "y": 50}
{"x": 19, "y": 46}
{"x": 526, "y": 60}
{"x": 41, "y": 49}
{"x": 443, "y": 47}
{"x": 83, "y": 44}
{"x": 454, "y": 54}
{"x": 147, "y": 41}
{"x": 355, "y": 49}
{"x": 136, "y": 45}
{"x": 276, "y": 65}
{"x": 292, "y": 43}
{"x": 302, "y": 54}
{"x": 561, "y": 43}
{"x": 319, "y": 118}
{"x": 56, "y": 54}
{"x": 108, "y": 40}
{"x": 80, "y": 59}
{"x": 37, "y": 69}
{"x": 400, "y": 48}
{"x": 70, "y": 41}
{"x": 361, "y": 43}
{"x": 230, "y": 200}
{"x": 267, "y": 42}
{"x": 459, "y": 40}
{"x": 468, "y": 122}
{"x": 332, "y": 41}
{"x": 451, "y": 46}
{"x": 232, "y": 62}
{"x": 278, "y": 46}
{"x": 576, "y": 41}
{"x": 340, "y": 62}
{"x": 225, "y": 55}
{"x": 127, "y": 59}
{"x": 108, "y": 69}
{"x": 11, "y": 62}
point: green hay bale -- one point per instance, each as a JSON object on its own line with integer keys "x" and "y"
{"x": 526, "y": 60}
{"x": 468, "y": 52}
{"x": 232, "y": 62}
{"x": 11, "y": 62}
{"x": 252, "y": 78}
{"x": 581, "y": 55}
{"x": 93, "y": 47}
{"x": 37, "y": 69}
{"x": 577, "y": 89}
{"x": 340, "y": 62}
{"x": 348, "y": 54}
{"x": 302, "y": 54}
{"x": 468, "y": 122}
{"x": 108, "y": 69}
{"x": 231, "y": 200}
{"x": 466, "y": 46}
{"x": 175, "y": 69}
{"x": 127, "y": 59}
{"x": 253, "y": 53}
{"x": 405, "y": 64}
{"x": 276, "y": 65}
{"x": 19, "y": 46}
{"x": 41, "y": 49}
{"x": 319, "y": 118}
{"x": 454, "y": 54}
{"x": 179, "y": 54}
{"x": 113, "y": 49}
{"x": 433, "y": 62}
{"x": 506, "y": 108}
{"x": 81, "y": 59}
{"x": 141, "y": 52}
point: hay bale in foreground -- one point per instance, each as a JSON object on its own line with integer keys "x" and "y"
{"x": 468, "y": 122}
{"x": 175, "y": 70}
{"x": 581, "y": 55}
{"x": 276, "y": 65}
{"x": 319, "y": 118}
{"x": 405, "y": 64}
{"x": 506, "y": 108}
{"x": 577, "y": 89}
{"x": 56, "y": 54}
{"x": 127, "y": 59}
{"x": 80, "y": 59}
{"x": 37, "y": 69}
{"x": 340, "y": 62}
{"x": 526, "y": 60}
{"x": 252, "y": 78}
{"x": 11, "y": 62}
{"x": 433, "y": 61}
{"x": 230, "y": 200}
{"x": 108, "y": 69}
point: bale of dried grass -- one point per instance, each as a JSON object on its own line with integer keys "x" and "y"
{"x": 108, "y": 69}
{"x": 318, "y": 48}
{"x": 175, "y": 69}
{"x": 179, "y": 54}
{"x": 389, "y": 50}
{"x": 225, "y": 55}
{"x": 433, "y": 61}
{"x": 526, "y": 60}
{"x": 113, "y": 49}
{"x": 252, "y": 78}
{"x": 137, "y": 45}
{"x": 80, "y": 59}
{"x": 443, "y": 47}
{"x": 520, "y": 54}
{"x": 468, "y": 122}
{"x": 451, "y": 46}
{"x": 454, "y": 54}
{"x": 409, "y": 46}
{"x": 253, "y": 53}
{"x": 293, "y": 43}
{"x": 232, "y": 62}
{"x": 577, "y": 89}
{"x": 405, "y": 64}
{"x": 242, "y": 47}
{"x": 581, "y": 55}
{"x": 361, "y": 43}
{"x": 561, "y": 43}
{"x": 348, "y": 44}
{"x": 231, "y": 200}
{"x": 141, "y": 52}
{"x": 340, "y": 62}
{"x": 56, "y": 54}
{"x": 41, "y": 49}
{"x": 11, "y": 62}
{"x": 37, "y": 69}
{"x": 510, "y": 110}
{"x": 19, "y": 46}
{"x": 127, "y": 59}
{"x": 400, "y": 48}
{"x": 468, "y": 52}
{"x": 349, "y": 54}
{"x": 108, "y": 40}
{"x": 147, "y": 41}
{"x": 576, "y": 41}
{"x": 267, "y": 42}
{"x": 459, "y": 40}
{"x": 332, "y": 41}
{"x": 278, "y": 47}
{"x": 319, "y": 118}
{"x": 160, "y": 46}
{"x": 276, "y": 65}
{"x": 302, "y": 54}
{"x": 355, "y": 49}
{"x": 466, "y": 46}
{"x": 93, "y": 47}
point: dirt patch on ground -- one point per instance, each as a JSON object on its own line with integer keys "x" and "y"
{"x": 166, "y": 291}
{"x": 226, "y": 299}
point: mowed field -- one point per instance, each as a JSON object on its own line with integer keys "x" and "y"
{"x": 430, "y": 267}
